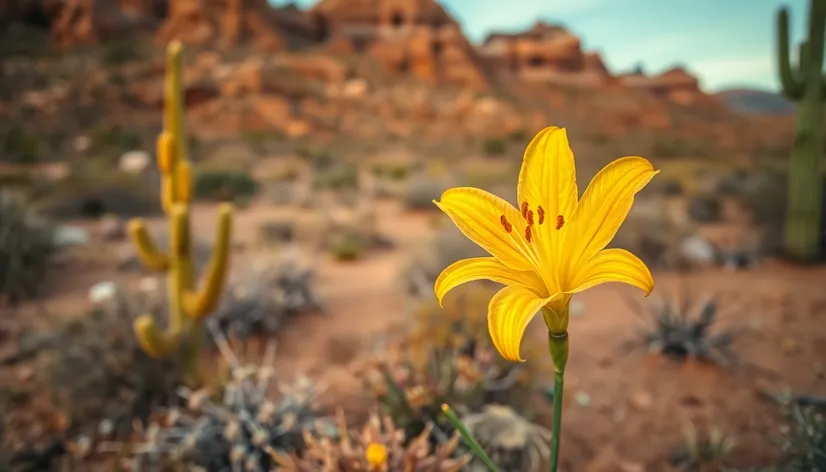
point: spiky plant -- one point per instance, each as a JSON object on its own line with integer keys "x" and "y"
{"x": 705, "y": 452}
{"x": 98, "y": 373}
{"x": 26, "y": 248}
{"x": 379, "y": 446}
{"x": 804, "y": 439}
{"x": 682, "y": 329}
{"x": 267, "y": 296}
{"x": 239, "y": 432}
{"x": 511, "y": 441}
{"x": 447, "y": 357}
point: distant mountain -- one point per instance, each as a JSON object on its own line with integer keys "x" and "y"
{"x": 756, "y": 102}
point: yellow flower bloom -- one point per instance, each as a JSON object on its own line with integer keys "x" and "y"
{"x": 553, "y": 246}
{"x": 376, "y": 455}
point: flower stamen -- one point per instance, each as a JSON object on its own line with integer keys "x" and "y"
{"x": 529, "y": 217}
{"x": 506, "y": 224}
{"x": 540, "y": 212}
{"x": 525, "y": 210}
{"x": 560, "y": 222}
{"x": 528, "y": 234}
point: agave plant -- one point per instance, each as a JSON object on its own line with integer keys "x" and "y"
{"x": 239, "y": 432}
{"x": 682, "y": 328}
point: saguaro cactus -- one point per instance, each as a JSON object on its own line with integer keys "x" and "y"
{"x": 188, "y": 304}
{"x": 807, "y": 86}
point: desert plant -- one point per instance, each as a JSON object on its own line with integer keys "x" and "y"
{"x": 18, "y": 146}
{"x": 807, "y": 86}
{"x": 494, "y": 147}
{"x": 703, "y": 452}
{"x": 378, "y": 446}
{"x": 188, "y": 305}
{"x": 421, "y": 190}
{"x": 336, "y": 177}
{"x": 675, "y": 331}
{"x": 94, "y": 194}
{"x": 224, "y": 184}
{"x": 446, "y": 357}
{"x": 804, "y": 439}
{"x": 240, "y": 432}
{"x": 430, "y": 257}
{"x": 266, "y": 297}
{"x": 510, "y": 440}
{"x": 26, "y": 247}
{"x": 97, "y": 372}
{"x": 348, "y": 245}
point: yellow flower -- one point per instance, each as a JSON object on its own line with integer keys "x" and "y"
{"x": 376, "y": 455}
{"x": 553, "y": 246}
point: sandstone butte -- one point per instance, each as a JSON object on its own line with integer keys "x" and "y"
{"x": 408, "y": 37}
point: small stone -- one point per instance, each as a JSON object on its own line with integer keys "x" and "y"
{"x": 134, "y": 162}
{"x": 81, "y": 143}
{"x": 102, "y": 291}
{"x": 577, "y": 308}
{"x": 67, "y": 236}
{"x": 642, "y": 401}
{"x": 789, "y": 346}
{"x": 697, "y": 251}
{"x": 106, "y": 427}
{"x": 582, "y": 398}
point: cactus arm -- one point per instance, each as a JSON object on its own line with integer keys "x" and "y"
{"x": 791, "y": 85}
{"x": 148, "y": 251}
{"x": 152, "y": 340}
{"x": 201, "y": 303}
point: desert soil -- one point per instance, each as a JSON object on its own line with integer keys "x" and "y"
{"x": 623, "y": 411}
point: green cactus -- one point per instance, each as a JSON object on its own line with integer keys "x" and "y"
{"x": 807, "y": 86}
{"x": 188, "y": 304}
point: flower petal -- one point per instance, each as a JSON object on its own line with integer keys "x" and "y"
{"x": 485, "y": 268}
{"x": 614, "y": 265}
{"x": 509, "y": 312}
{"x": 548, "y": 174}
{"x": 602, "y": 209}
{"x": 478, "y": 214}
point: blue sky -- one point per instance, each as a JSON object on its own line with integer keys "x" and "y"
{"x": 726, "y": 43}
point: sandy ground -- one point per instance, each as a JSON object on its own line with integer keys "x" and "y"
{"x": 637, "y": 404}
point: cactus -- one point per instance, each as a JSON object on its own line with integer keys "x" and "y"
{"x": 807, "y": 86}
{"x": 188, "y": 304}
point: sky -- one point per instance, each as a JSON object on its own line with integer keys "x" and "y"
{"x": 727, "y": 44}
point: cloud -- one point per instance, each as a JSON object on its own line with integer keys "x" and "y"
{"x": 717, "y": 73}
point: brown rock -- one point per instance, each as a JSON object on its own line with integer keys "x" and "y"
{"x": 642, "y": 401}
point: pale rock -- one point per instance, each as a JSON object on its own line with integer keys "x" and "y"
{"x": 135, "y": 162}
{"x": 102, "y": 291}
{"x": 697, "y": 251}
{"x": 67, "y": 236}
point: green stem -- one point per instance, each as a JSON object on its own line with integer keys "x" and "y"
{"x": 558, "y": 345}
{"x": 472, "y": 444}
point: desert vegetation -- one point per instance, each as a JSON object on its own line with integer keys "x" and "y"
{"x": 225, "y": 255}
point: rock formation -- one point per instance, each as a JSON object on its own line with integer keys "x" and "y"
{"x": 546, "y": 53}
{"x": 416, "y": 37}
{"x": 231, "y": 23}
{"x": 675, "y": 84}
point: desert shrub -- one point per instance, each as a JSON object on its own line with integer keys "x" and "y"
{"x": 18, "y": 146}
{"x": 111, "y": 141}
{"x": 703, "y": 452}
{"x": 241, "y": 431}
{"x": 494, "y": 147}
{"x": 98, "y": 373}
{"x": 224, "y": 185}
{"x": 421, "y": 190}
{"x": 319, "y": 159}
{"x": 276, "y": 232}
{"x": 98, "y": 193}
{"x": 336, "y": 177}
{"x": 391, "y": 171}
{"x": 379, "y": 445}
{"x": 27, "y": 245}
{"x": 705, "y": 209}
{"x": 677, "y": 332}
{"x": 115, "y": 53}
{"x": 348, "y": 245}
{"x": 520, "y": 137}
{"x": 267, "y": 297}
{"x": 446, "y": 357}
{"x": 427, "y": 259}
{"x": 804, "y": 439}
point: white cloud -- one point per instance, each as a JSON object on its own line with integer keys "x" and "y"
{"x": 756, "y": 71}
